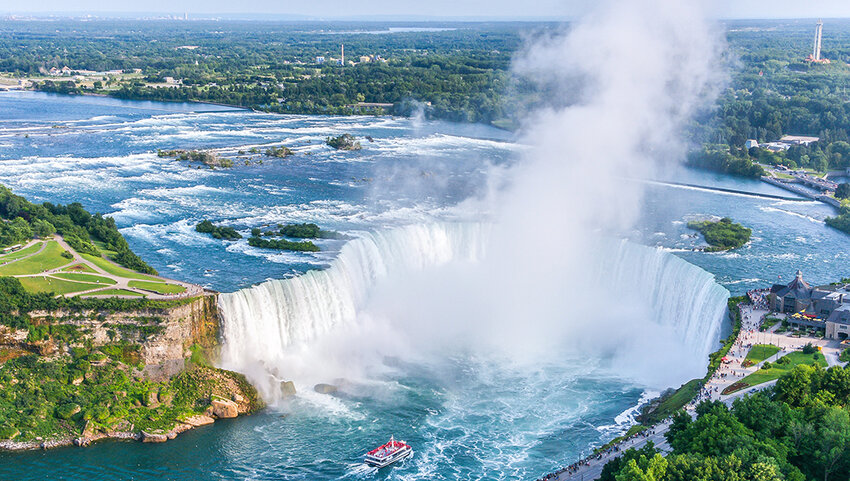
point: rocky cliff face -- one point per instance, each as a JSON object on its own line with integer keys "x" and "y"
{"x": 163, "y": 338}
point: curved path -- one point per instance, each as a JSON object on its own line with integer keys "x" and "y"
{"x": 28, "y": 244}
{"x": 121, "y": 283}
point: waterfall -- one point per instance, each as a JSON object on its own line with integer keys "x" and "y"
{"x": 684, "y": 297}
{"x": 262, "y": 323}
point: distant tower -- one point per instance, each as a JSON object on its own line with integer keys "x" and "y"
{"x": 185, "y": 16}
{"x": 818, "y": 34}
{"x": 342, "y": 54}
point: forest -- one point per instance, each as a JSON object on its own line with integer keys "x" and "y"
{"x": 773, "y": 91}
{"x": 458, "y": 72}
{"x": 798, "y": 431}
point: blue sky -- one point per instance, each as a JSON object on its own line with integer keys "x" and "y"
{"x": 430, "y": 8}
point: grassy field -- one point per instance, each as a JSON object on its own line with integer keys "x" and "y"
{"x": 49, "y": 258}
{"x": 73, "y": 276}
{"x": 21, "y": 253}
{"x": 760, "y": 352}
{"x": 158, "y": 287}
{"x": 116, "y": 270}
{"x": 116, "y": 292}
{"x": 79, "y": 268}
{"x": 777, "y": 370}
{"x": 56, "y": 286}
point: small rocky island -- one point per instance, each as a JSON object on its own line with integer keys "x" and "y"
{"x": 344, "y": 142}
{"x": 722, "y": 235}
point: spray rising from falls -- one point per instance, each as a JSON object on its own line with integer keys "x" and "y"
{"x": 273, "y": 331}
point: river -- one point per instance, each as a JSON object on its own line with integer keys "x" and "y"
{"x": 469, "y": 414}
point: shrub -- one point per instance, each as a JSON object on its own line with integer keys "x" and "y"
{"x": 809, "y": 349}
{"x": 766, "y": 365}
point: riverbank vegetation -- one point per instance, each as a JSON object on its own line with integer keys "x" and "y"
{"x": 84, "y": 232}
{"x": 722, "y": 235}
{"x": 458, "y": 73}
{"x": 100, "y": 390}
{"x": 800, "y": 430}
{"x": 842, "y": 220}
{"x": 673, "y": 400}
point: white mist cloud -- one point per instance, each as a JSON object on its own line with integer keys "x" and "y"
{"x": 620, "y": 84}
{"x": 553, "y": 283}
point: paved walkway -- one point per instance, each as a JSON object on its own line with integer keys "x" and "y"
{"x": 122, "y": 283}
{"x": 751, "y": 318}
{"x": 592, "y": 468}
{"x": 28, "y": 244}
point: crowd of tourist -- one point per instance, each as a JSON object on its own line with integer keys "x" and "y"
{"x": 606, "y": 454}
{"x": 759, "y": 298}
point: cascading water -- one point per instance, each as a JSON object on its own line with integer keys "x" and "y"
{"x": 262, "y": 321}
{"x": 683, "y": 297}
{"x": 265, "y": 326}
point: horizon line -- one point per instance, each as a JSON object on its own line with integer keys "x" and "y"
{"x": 247, "y": 16}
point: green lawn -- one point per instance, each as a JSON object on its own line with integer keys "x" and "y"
{"x": 116, "y": 292}
{"x": 760, "y": 352}
{"x": 21, "y": 253}
{"x": 56, "y": 286}
{"x": 116, "y": 270}
{"x": 79, "y": 268}
{"x": 158, "y": 287}
{"x": 73, "y": 276}
{"x": 49, "y": 258}
{"x": 778, "y": 370}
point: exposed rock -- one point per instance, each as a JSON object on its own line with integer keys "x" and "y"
{"x": 198, "y": 420}
{"x": 287, "y": 389}
{"x": 237, "y": 398}
{"x": 88, "y": 431}
{"x": 224, "y": 408}
{"x": 82, "y": 442}
{"x": 153, "y": 438}
{"x": 324, "y": 388}
{"x": 152, "y": 399}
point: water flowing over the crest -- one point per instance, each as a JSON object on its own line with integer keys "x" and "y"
{"x": 262, "y": 322}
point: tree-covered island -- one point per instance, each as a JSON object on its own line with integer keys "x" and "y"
{"x": 722, "y": 235}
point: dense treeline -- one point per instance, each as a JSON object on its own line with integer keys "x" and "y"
{"x": 21, "y": 219}
{"x": 774, "y": 92}
{"x": 459, "y": 73}
{"x": 798, "y": 431}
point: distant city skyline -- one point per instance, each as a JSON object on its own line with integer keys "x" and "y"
{"x": 403, "y": 9}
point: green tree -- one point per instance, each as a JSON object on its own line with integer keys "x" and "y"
{"x": 834, "y": 441}
{"x": 644, "y": 469}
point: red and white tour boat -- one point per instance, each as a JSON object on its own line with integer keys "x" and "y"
{"x": 388, "y": 453}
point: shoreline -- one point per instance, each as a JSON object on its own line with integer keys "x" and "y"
{"x": 141, "y": 436}
{"x": 107, "y": 96}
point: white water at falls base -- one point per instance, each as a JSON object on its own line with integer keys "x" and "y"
{"x": 416, "y": 293}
